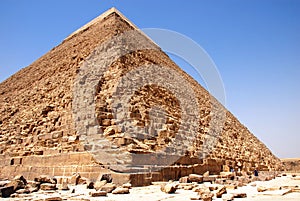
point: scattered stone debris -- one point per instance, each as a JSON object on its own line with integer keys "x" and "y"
{"x": 51, "y": 189}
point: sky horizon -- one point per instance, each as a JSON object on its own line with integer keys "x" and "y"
{"x": 254, "y": 44}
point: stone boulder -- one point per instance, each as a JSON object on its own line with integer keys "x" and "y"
{"x": 168, "y": 188}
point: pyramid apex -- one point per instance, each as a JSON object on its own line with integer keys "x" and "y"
{"x": 100, "y": 18}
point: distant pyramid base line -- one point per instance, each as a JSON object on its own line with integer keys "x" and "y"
{"x": 108, "y": 100}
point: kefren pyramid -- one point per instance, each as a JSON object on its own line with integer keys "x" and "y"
{"x": 109, "y": 100}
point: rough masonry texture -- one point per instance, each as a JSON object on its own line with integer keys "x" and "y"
{"x": 57, "y": 117}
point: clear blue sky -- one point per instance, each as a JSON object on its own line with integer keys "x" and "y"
{"x": 254, "y": 43}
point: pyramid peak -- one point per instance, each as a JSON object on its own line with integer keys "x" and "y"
{"x": 100, "y": 18}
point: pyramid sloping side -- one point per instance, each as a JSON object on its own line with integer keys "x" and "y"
{"x": 36, "y": 103}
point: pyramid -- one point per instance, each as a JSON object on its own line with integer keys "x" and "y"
{"x": 109, "y": 100}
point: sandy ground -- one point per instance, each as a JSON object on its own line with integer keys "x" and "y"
{"x": 153, "y": 193}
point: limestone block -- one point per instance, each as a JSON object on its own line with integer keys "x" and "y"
{"x": 108, "y": 188}
{"x": 195, "y": 178}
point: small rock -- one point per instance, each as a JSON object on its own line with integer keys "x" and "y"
{"x": 207, "y": 196}
{"x": 48, "y": 187}
{"x": 120, "y": 190}
{"x": 220, "y": 191}
{"x": 98, "y": 194}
